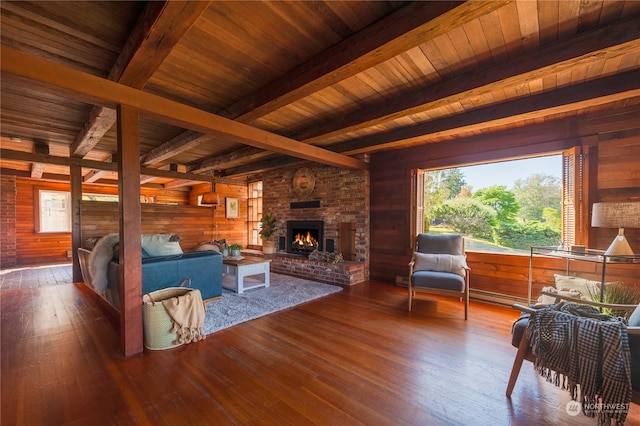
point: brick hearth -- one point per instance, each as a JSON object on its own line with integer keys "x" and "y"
{"x": 343, "y": 273}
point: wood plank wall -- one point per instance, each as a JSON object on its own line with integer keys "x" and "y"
{"x": 617, "y": 178}
{"x": 194, "y": 224}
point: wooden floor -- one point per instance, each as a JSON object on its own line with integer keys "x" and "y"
{"x": 355, "y": 357}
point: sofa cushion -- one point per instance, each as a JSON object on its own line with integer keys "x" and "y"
{"x": 438, "y": 280}
{"x": 586, "y": 287}
{"x": 161, "y": 244}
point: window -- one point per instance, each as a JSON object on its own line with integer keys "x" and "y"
{"x": 504, "y": 206}
{"x": 100, "y": 197}
{"x": 54, "y": 211}
{"x": 254, "y": 209}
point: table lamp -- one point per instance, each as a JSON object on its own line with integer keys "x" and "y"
{"x": 617, "y": 215}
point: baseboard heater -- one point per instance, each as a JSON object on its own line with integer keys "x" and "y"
{"x": 481, "y": 295}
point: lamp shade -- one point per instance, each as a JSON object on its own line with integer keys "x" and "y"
{"x": 210, "y": 198}
{"x": 616, "y": 215}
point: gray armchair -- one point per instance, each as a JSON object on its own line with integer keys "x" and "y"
{"x": 439, "y": 267}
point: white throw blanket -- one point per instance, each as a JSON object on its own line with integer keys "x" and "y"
{"x": 98, "y": 261}
{"x": 575, "y": 345}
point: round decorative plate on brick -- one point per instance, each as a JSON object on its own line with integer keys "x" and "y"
{"x": 304, "y": 181}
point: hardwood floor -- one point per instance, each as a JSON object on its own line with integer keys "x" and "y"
{"x": 355, "y": 357}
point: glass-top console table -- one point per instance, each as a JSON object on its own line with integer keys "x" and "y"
{"x": 586, "y": 255}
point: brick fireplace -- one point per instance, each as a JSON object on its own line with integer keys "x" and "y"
{"x": 304, "y": 236}
{"x": 340, "y": 202}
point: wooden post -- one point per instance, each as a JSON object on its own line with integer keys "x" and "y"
{"x": 75, "y": 176}
{"x": 130, "y": 230}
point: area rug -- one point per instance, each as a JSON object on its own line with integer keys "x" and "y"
{"x": 283, "y": 292}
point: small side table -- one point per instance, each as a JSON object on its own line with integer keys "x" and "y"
{"x": 246, "y": 267}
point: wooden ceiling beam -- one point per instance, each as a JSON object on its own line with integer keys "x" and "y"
{"x": 96, "y": 90}
{"x": 159, "y": 29}
{"x": 39, "y": 147}
{"x": 405, "y": 29}
{"x": 221, "y": 162}
{"x": 29, "y": 157}
{"x": 95, "y": 175}
{"x": 604, "y": 43}
{"x": 567, "y": 99}
{"x": 173, "y": 147}
{"x": 585, "y": 95}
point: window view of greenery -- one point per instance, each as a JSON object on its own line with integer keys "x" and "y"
{"x": 510, "y": 215}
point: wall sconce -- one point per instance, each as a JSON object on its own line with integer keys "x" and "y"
{"x": 617, "y": 215}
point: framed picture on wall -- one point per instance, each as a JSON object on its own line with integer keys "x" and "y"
{"x": 232, "y": 208}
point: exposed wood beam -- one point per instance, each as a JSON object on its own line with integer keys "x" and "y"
{"x": 407, "y": 28}
{"x": 173, "y": 147}
{"x": 160, "y": 27}
{"x": 221, "y": 162}
{"x": 95, "y": 175}
{"x": 29, "y": 157}
{"x": 597, "y": 92}
{"x": 588, "y": 94}
{"x": 92, "y": 89}
{"x": 604, "y": 43}
{"x": 410, "y": 26}
{"x": 37, "y": 169}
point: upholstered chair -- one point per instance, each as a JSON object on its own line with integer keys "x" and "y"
{"x": 439, "y": 267}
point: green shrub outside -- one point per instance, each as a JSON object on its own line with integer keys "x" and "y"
{"x": 524, "y": 235}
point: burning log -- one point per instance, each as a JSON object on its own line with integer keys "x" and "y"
{"x": 324, "y": 256}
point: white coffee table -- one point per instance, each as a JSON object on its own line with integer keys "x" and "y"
{"x": 247, "y": 267}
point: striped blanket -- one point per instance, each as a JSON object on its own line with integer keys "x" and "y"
{"x": 587, "y": 353}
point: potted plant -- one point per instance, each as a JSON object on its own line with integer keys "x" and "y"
{"x": 268, "y": 222}
{"x": 235, "y": 250}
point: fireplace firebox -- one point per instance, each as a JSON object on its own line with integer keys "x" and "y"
{"x": 304, "y": 236}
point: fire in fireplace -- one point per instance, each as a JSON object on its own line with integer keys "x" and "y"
{"x": 304, "y": 236}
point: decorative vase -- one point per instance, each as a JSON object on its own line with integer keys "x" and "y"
{"x": 268, "y": 247}
{"x": 225, "y": 253}
{"x": 235, "y": 253}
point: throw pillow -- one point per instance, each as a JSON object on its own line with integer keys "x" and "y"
{"x": 634, "y": 319}
{"x": 440, "y": 263}
{"x": 550, "y": 300}
{"x": 161, "y": 244}
{"x": 207, "y": 246}
{"x": 588, "y": 288}
{"x": 116, "y": 252}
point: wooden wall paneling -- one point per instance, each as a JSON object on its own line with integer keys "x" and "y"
{"x": 491, "y": 271}
{"x": 33, "y": 248}
{"x": 192, "y": 223}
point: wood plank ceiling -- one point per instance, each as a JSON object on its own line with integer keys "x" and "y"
{"x": 317, "y": 80}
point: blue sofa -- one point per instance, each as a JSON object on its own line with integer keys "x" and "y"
{"x": 202, "y": 268}
{"x": 101, "y": 270}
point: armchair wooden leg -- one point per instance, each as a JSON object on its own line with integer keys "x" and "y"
{"x": 466, "y": 305}
{"x": 517, "y": 363}
{"x": 410, "y": 298}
